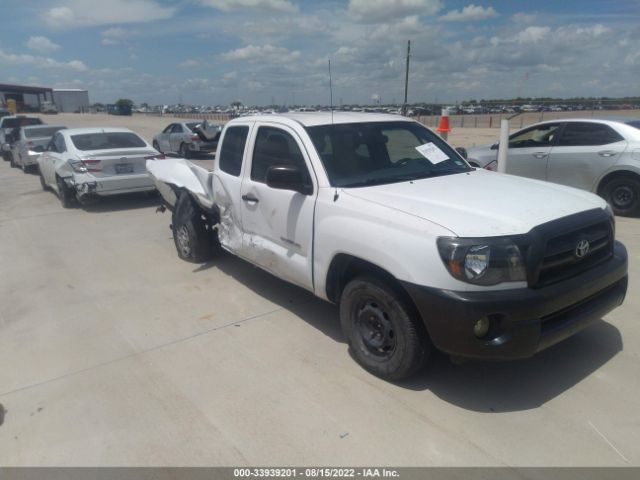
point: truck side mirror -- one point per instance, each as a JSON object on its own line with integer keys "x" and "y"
{"x": 287, "y": 177}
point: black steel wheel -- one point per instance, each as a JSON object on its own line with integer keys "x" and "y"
{"x": 193, "y": 239}
{"x": 385, "y": 335}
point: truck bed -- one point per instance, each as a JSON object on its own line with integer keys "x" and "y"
{"x": 173, "y": 174}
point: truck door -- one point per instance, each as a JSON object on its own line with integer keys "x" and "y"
{"x": 278, "y": 224}
{"x": 226, "y": 187}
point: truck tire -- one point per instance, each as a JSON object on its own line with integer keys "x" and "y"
{"x": 190, "y": 234}
{"x": 65, "y": 194}
{"x": 623, "y": 194}
{"x": 384, "y": 335}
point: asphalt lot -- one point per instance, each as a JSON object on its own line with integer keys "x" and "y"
{"x": 115, "y": 352}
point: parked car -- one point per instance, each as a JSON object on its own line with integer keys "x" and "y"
{"x": 86, "y": 163}
{"x": 188, "y": 138}
{"x": 378, "y": 214}
{"x": 598, "y": 155}
{"x": 48, "y": 107}
{"x": 9, "y": 129}
{"x": 30, "y": 144}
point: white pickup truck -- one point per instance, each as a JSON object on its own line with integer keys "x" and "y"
{"x": 379, "y": 215}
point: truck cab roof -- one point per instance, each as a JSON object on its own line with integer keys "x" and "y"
{"x": 313, "y": 119}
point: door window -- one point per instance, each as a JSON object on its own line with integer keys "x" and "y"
{"x": 276, "y": 147}
{"x": 177, "y": 128}
{"x": 168, "y": 129}
{"x": 232, "y": 150}
{"x": 587, "y": 134}
{"x": 540, "y": 136}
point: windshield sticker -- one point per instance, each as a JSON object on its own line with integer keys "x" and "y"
{"x": 432, "y": 153}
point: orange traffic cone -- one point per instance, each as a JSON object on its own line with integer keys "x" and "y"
{"x": 444, "y": 127}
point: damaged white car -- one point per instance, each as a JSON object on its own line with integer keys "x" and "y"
{"x": 83, "y": 164}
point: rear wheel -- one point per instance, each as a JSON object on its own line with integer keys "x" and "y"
{"x": 623, "y": 194}
{"x": 184, "y": 151}
{"x": 385, "y": 335}
{"x": 43, "y": 184}
{"x": 193, "y": 239}
{"x": 12, "y": 160}
{"x": 65, "y": 194}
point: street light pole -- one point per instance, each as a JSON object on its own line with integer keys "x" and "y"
{"x": 406, "y": 79}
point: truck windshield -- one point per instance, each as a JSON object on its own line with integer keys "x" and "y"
{"x": 375, "y": 153}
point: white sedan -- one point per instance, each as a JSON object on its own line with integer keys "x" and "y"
{"x": 86, "y": 163}
{"x": 598, "y": 155}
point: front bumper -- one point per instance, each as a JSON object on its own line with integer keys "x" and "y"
{"x": 524, "y": 321}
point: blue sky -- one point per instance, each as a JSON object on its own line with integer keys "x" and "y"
{"x": 259, "y": 51}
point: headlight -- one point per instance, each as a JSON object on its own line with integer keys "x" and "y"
{"x": 482, "y": 261}
{"x": 612, "y": 217}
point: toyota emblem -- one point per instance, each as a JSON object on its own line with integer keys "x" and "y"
{"x": 582, "y": 248}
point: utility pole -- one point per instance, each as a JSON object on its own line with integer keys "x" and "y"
{"x": 406, "y": 79}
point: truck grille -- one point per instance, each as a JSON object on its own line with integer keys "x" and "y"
{"x": 563, "y": 257}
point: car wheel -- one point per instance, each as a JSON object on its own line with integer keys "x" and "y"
{"x": 385, "y": 335}
{"x": 193, "y": 240}
{"x": 12, "y": 160}
{"x": 623, "y": 194}
{"x": 184, "y": 151}
{"x": 65, "y": 194}
{"x": 156, "y": 146}
{"x": 43, "y": 184}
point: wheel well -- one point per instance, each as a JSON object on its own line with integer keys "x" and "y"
{"x": 616, "y": 174}
{"x": 345, "y": 267}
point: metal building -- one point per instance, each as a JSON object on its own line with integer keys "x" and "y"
{"x": 72, "y": 100}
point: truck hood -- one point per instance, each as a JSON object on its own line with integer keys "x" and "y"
{"x": 481, "y": 203}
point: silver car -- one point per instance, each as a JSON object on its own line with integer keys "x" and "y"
{"x": 31, "y": 142}
{"x": 601, "y": 156}
{"x": 86, "y": 163}
{"x": 188, "y": 138}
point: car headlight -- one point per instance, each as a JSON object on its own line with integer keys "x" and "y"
{"x": 482, "y": 261}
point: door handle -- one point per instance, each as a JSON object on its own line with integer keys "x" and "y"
{"x": 250, "y": 199}
{"x": 540, "y": 154}
{"x": 607, "y": 153}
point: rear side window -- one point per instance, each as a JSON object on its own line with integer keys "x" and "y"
{"x": 232, "y": 150}
{"x": 586, "y": 134}
{"x": 58, "y": 144}
{"x": 275, "y": 147}
{"x": 107, "y": 141}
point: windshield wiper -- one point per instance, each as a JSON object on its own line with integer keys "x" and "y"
{"x": 400, "y": 178}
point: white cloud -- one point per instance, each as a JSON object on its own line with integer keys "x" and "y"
{"x": 532, "y": 34}
{"x": 231, "y": 5}
{"x": 114, "y": 35}
{"x": 470, "y": 13}
{"x": 190, "y": 63}
{"x": 524, "y": 18}
{"x": 262, "y": 54}
{"x": 40, "y": 62}
{"x": 375, "y": 11}
{"x": 41, "y": 44}
{"x": 87, "y": 13}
